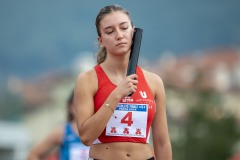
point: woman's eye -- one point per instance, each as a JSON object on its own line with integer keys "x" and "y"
{"x": 124, "y": 28}
{"x": 109, "y": 32}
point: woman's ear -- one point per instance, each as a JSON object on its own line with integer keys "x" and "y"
{"x": 100, "y": 42}
{"x": 133, "y": 30}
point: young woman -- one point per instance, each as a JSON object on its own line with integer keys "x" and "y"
{"x": 64, "y": 138}
{"x": 114, "y": 125}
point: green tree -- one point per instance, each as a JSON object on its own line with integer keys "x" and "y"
{"x": 208, "y": 133}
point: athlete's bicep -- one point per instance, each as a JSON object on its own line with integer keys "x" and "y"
{"x": 83, "y": 98}
{"x": 159, "y": 126}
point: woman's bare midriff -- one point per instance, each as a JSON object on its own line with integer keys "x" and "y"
{"x": 121, "y": 151}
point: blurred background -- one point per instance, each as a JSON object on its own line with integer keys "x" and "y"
{"x": 194, "y": 46}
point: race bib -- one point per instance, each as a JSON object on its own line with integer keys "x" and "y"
{"x": 128, "y": 120}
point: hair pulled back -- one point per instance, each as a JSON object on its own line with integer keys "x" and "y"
{"x": 102, "y": 53}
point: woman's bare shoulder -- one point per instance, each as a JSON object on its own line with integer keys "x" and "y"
{"x": 152, "y": 77}
{"x": 87, "y": 81}
{"x": 154, "y": 82}
{"x": 87, "y": 75}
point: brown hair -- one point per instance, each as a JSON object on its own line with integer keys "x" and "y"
{"x": 102, "y": 54}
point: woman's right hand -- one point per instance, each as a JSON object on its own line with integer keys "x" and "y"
{"x": 127, "y": 86}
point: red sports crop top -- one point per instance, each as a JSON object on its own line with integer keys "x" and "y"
{"x": 132, "y": 118}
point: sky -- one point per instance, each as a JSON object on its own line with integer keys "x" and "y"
{"x": 37, "y": 36}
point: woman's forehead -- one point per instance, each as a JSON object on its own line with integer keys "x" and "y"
{"x": 114, "y": 18}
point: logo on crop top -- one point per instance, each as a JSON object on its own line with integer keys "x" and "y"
{"x": 143, "y": 94}
{"x": 127, "y": 100}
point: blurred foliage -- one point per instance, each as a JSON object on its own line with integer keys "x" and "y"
{"x": 11, "y": 107}
{"x": 208, "y": 133}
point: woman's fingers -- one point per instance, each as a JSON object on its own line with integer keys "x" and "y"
{"x": 128, "y": 85}
{"x": 133, "y": 76}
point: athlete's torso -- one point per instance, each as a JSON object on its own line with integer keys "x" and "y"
{"x": 132, "y": 119}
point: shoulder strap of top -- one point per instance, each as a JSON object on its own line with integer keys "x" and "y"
{"x": 139, "y": 72}
{"x": 101, "y": 75}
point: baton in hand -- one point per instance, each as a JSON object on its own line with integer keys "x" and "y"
{"x": 135, "y": 49}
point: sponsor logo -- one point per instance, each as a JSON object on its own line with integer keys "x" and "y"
{"x": 143, "y": 94}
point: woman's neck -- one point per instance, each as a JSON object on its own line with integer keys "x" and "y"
{"x": 114, "y": 68}
{"x": 116, "y": 65}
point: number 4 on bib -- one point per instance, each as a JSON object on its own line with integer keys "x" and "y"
{"x": 127, "y": 119}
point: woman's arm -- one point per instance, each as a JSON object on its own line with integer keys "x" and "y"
{"x": 91, "y": 125}
{"x": 160, "y": 135}
{"x": 51, "y": 141}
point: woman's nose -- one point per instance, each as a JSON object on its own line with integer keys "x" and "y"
{"x": 119, "y": 34}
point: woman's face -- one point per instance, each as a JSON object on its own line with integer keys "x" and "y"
{"x": 116, "y": 33}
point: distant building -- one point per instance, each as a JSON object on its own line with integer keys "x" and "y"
{"x": 217, "y": 70}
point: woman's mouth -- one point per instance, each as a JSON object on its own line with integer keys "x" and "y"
{"x": 120, "y": 44}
